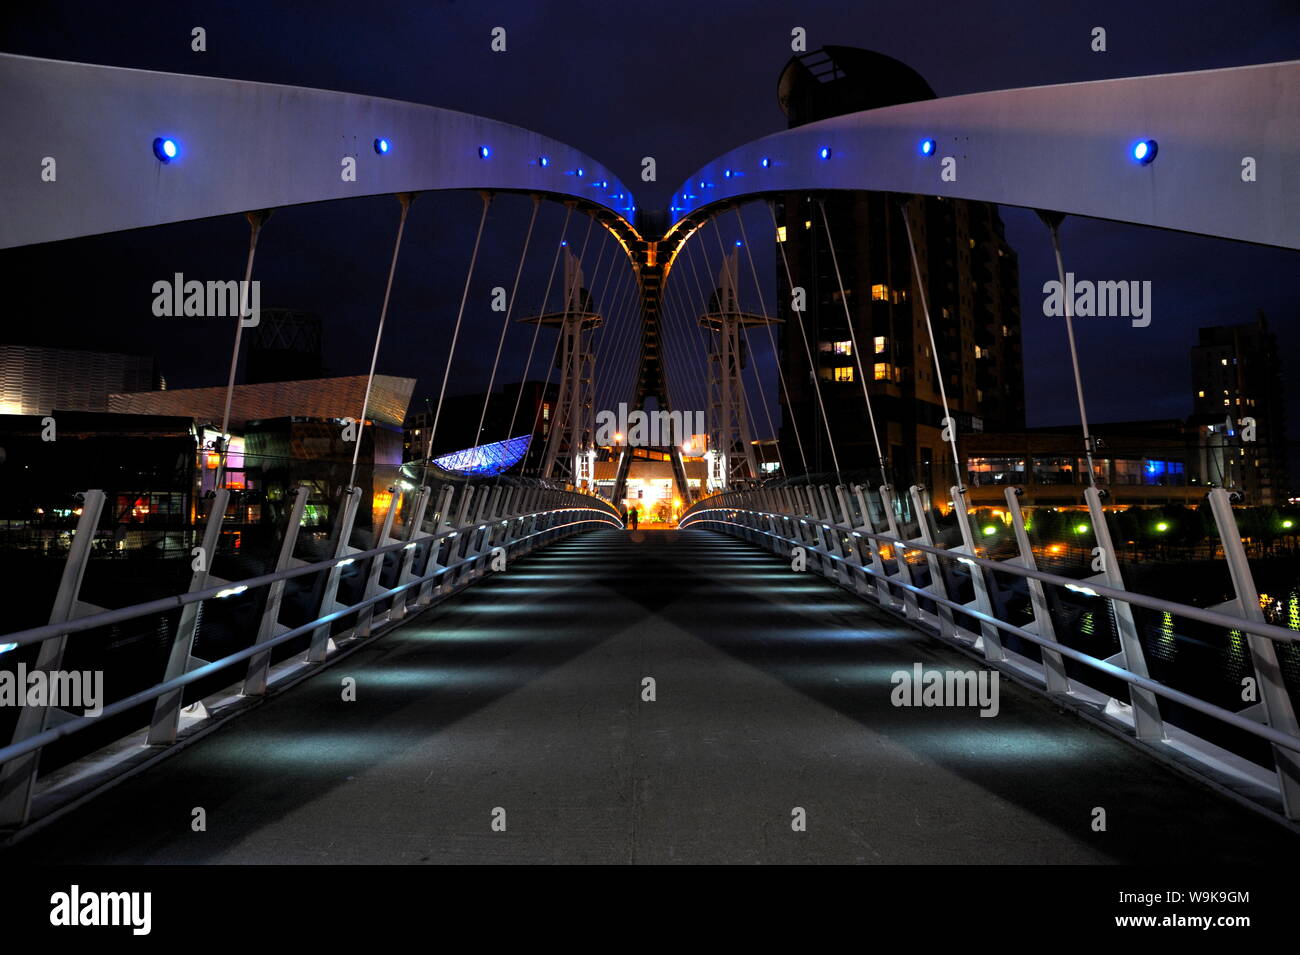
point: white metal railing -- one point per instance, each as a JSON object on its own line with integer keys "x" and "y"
{"x": 436, "y": 554}
{"x": 854, "y": 537}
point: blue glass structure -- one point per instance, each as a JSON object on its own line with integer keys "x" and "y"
{"x": 486, "y": 459}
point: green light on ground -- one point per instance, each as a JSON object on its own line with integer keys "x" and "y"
{"x": 1162, "y": 527}
{"x": 1081, "y": 528}
{"x": 990, "y": 531}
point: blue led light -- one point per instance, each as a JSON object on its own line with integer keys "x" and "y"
{"x": 824, "y": 152}
{"x": 927, "y": 147}
{"x": 484, "y": 152}
{"x": 579, "y": 172}
{"x": 543, "y": 161}
{"x": 765, "y": 162}
{"x": 738, "y": 243}
{"x": 1144, "y": 151}
{"x": 166, "y": 149}
{"x": 726, "y": 174}
{"x": 382, "y": 146}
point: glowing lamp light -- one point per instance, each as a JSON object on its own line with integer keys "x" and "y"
{"x": 543, "y": 161}
{"x": 765, "y": 162}
{"x": 382, "y": 146}
{"x": 990, "y": 530}
{"x": 166, "y": 149}
{"x": 1081, "y": 528}
{"x": 579, "y": 172}
{"x": 927, "y": 147}
{"x": 726, "y": 174}
{"x": 618, "y": 436}
{"x": 738, "y": 243}
{"x": 1144, "y": 151}
{"x": 484, "y": 152}
{"x": 1287, "y": 525}
{"x": 824, "y": 152}
{"x": 1162, "y": 527}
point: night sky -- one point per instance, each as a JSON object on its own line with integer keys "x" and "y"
{"x": 680, "y": 81}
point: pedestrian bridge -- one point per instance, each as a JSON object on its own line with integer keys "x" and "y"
{"x": 499, "y": 669}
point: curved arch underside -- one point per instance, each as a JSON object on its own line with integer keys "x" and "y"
{"x": 245, "y": 146}
{"x": 1062, "y": 148}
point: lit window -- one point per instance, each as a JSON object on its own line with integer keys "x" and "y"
{"x": 780, "y": 233}
{"x": 879, "y": 293}
{"x": 844, "y": 373}
{"x": 881, "y": 344}
{"x": 1223, "y": 361}
{"x": 883, "y": 371}
{"x": 807, "y": 223}
{"x": 546, "y": 412}
{"x": 1200, "y": 394}
{"x": 842, "y": 348}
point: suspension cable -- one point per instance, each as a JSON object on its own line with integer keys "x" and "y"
{"x": 505, "y": 323}
{"x": 771, "y": 337}
{"x": 857, "y": 352}
{"x": 528, "y": 365}
{"x": 405, "y": 199}
{"x": 812, "y": 368}
{"x": 949, "y": 423}
{"x": 1053, "y": 224}
{"x": 455, "y": 335}
{"x": 255, "y": 222}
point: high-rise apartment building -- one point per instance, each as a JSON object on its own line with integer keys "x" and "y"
{"x": 971, "y": 280}
{"x": 1239, "y": 409}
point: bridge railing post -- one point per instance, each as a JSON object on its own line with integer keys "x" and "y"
{"x": 1054, "y": 674}
{"x": 990, "y": 638}
{"x": 180, "y": 659}
{"x": 1147, "y": 722}
{"x": 902, "y": 569}
{"x": 412, "y": 533}
{"x": 320, "y": 637}
{"x": 18, "y": 775}
{"x": 938, "y": 573}
{"x": 269, "y": 627}
{"x": 1274, "y": 707}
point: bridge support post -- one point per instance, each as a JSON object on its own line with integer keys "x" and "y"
{"x": 270, "y": 626}
{"x": 413, "y": 533}
{"x": 1274, "y": 707}
{"x": 167, "y": 709}
{"x": 366, "y": 616}
{"x": 990, "y": 638}
{"x": 18, "y": 776}
{"x": 938, "y": 579}
{"x": 902, "y": 570}
{"x": 320, "y": 637}
{"x": 1147, "y": 722}
{"x": 1053, "y": 663}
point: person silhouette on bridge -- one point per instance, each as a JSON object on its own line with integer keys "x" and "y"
{"x": 633, "y": 515}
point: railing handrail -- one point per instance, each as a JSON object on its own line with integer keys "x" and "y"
{"x": 134, "y": 611}
{"x": 1161, "y": 689}
{"x": 42, "y": 739}
{"x": 1260, "y": 627}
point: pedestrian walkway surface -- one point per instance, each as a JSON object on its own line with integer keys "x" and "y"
{"x": 521, "y": 701}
